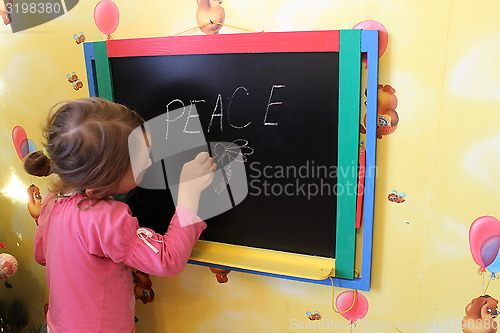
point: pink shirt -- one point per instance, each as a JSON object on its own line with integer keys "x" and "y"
{"x": 88, "y": 254}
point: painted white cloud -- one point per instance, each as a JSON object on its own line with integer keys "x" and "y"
{"x": 477, "y": 74}
{"x": 448, "y": 231}
{"x": 483, "y": 162}
{"x": 297, "y": 13}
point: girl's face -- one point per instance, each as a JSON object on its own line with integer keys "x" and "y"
{"x": 139, "y": 151}
{"x": 131, "y": 179}
{"x": 127, "y": 183}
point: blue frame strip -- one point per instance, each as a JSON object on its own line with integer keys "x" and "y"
{"x": 88, "y": 49}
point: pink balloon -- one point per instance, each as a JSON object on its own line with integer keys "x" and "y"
{"x": 106, "y": 16}
{"x": 345, "y": 300}
{"x": 18, "y": 137}
{"x": 481, "y": 229}
{"x": 383, "y": 37}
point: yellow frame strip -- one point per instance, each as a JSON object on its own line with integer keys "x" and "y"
{"x": 263, "y": 260}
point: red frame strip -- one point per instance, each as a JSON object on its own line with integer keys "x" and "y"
{"x": 361, "y": 187}
{"x": 293, "y": 41}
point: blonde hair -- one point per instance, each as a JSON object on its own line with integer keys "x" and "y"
{"x": 87, "y": 147}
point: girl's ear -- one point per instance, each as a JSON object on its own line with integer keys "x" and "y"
{"x": 89, "y": 192}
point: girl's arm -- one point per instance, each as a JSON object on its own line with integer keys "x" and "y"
{"x": 169, "y": 253}
{"x": 116, "y": 233}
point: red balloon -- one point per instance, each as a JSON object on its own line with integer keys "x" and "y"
{"x": 18, "y": 137}
{"x": 481, "y": 229}
{"x": 106, "y": 16}
{"x": 345, "y": 301}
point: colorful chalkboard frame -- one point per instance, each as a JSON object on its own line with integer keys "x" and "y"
{"x": 350, "y": 44}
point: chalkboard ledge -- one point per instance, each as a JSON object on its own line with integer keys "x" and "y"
{"x": 263, "y": 260}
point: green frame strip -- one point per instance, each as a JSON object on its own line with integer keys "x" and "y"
{"x": 103, "y": 71}
{"x": 348, "y": 146}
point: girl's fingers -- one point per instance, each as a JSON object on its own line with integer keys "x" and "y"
{"x": 208, "y": 163}
{"x": 202, "y": 157}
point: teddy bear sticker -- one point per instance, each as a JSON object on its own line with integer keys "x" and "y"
{"x": 480, "y": 315}
{"x": 387, "y": 117}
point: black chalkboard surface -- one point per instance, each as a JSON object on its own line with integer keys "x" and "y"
{"x": 283, "y": 106}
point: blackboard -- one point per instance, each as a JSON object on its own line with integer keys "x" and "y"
{"x": 291, "y": 100}
{"x": 292, "y": 157}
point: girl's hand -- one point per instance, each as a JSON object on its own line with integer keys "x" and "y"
{"x": 196, "y": 175}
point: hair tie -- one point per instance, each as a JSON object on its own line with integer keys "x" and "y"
{"x": 45, "y": 152}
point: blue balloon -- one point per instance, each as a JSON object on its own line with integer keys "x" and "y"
{"x": 494, "y": 267}
{"x": 32, "y": 146}
{"x": 27, "y": 146}
{"x": 489, "y": 249}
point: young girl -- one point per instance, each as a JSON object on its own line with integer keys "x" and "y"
{"x": 88, "y": 241}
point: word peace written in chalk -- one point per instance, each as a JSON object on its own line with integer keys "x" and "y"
{"x": 218, "y": 111}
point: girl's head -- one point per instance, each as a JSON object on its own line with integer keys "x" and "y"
{"x": 87, "y": 147}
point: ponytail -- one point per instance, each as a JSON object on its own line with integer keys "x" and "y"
{"x": 37, "y": 164}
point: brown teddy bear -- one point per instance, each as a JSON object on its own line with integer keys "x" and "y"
{"x": 143, "y": 287}
{"x": 388, "y": 118}
{"x": 480, "y": 314}
{"x": 209, "y": 12}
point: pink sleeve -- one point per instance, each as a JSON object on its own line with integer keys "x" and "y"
{"x": 166, "y": 255}
{"x": 121, "y": 239}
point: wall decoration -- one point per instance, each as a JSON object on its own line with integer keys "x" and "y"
{"x": 484, "y": 241}
{"x": 106, "y": 17}
{"x": 80, "y": 38}
{"x": 8, "y": 266}
{"x": 383, "y": 37}
{"x": 313, "y": 315}
{"x": 480, "y": 314}
{"x": 76, "y": 83}
{"x": 352, "y": 305}
{"x": 388, "y": 118}
{"x": 210, "y": 15}
{"x": 34, "y": 202}
{"x": 220, "y": 274}
{"x": 143, "y": 287}
{"x": 22, "y": 144}
{"x": 396, "y": 197}
{"x": 5, "y": 8}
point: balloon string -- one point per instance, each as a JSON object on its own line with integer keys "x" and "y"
{"x": 210, "y": 22}
{"x": 231, "y": 26}
{"x": 484, "y": 289}
{"x": 333, "y": 300}
{"x": 488, "y": 285}
{"x": 188, "y": 30}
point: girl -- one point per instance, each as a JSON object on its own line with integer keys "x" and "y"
{"x": 88, "y": 241}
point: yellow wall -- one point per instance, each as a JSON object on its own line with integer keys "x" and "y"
{"x": 442, "y": 59}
